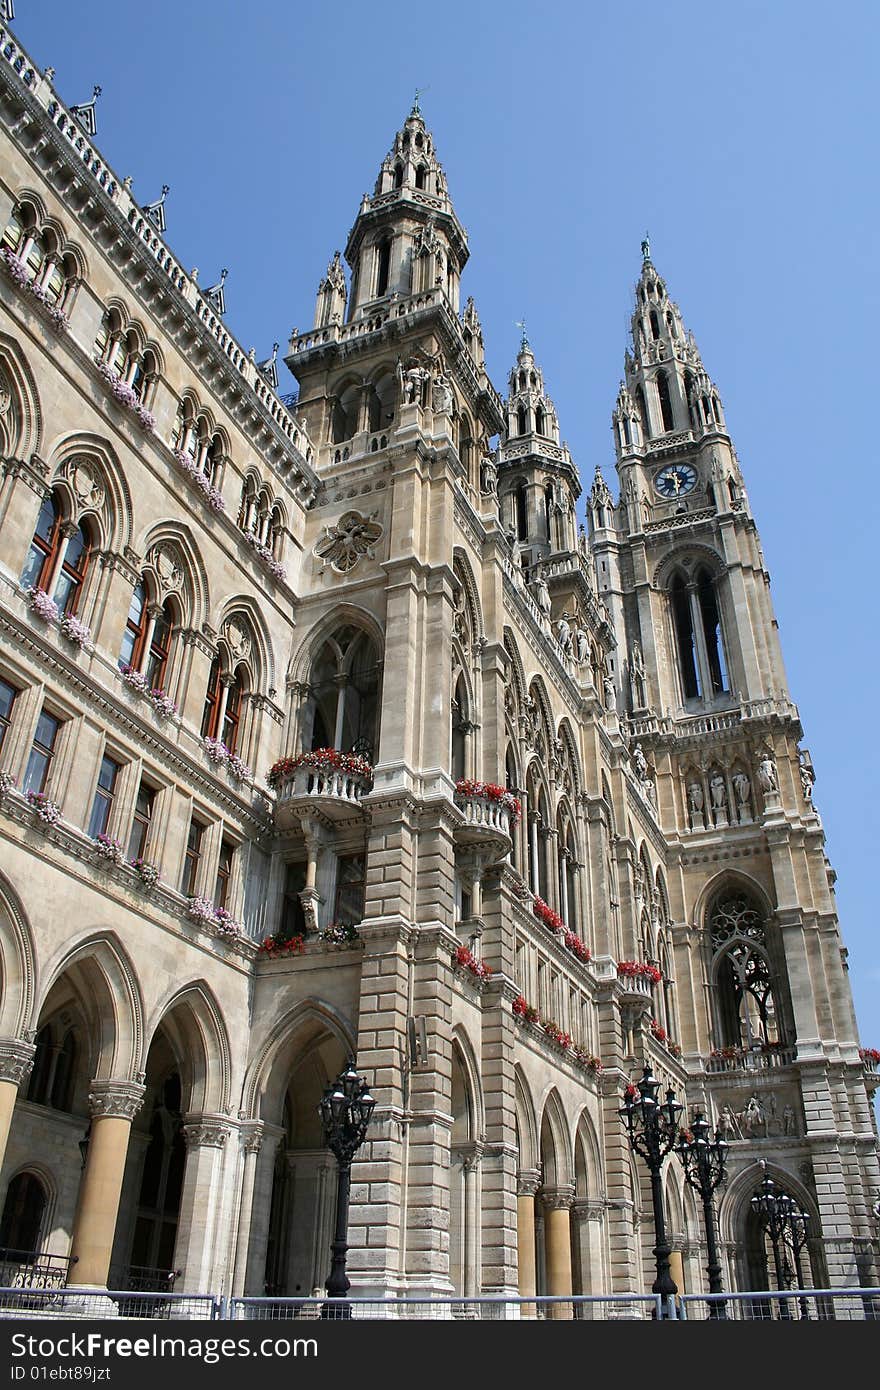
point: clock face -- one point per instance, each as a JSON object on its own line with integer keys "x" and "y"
{"x": 676, "y": 480}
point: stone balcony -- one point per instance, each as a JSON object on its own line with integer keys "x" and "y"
{"x": 754, "y": 1059}
{"x": 636, "y": 987}
{"x": 332, "y": 795}
{"x": 486, "y": 824}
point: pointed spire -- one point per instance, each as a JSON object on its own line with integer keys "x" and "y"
{"x": 85, "y": 113}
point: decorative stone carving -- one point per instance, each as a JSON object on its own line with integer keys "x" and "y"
{"x": 563, "y": 634}
{"x": 637, "y": 676}
{"x": 695, "y": 799}
{"x": 581, "y": 646}
{"x": 441, "y": 396}
{"x": 16, "y": 1060}
{"x": 540, "y": 593}
{"x": 412, "y": 381}
{"x": 807, "y": 775}
{"x": 115, "y": 1100}
{"x": 488, "y": 476}
{"x": 206, "y": 1131}
{"x": 728, "y": 1126}
{"x": 345, "y": 544}
{"x": 238, "y": 639}
{"x": 168, "y": 570}
{"x": 86, "y": 487}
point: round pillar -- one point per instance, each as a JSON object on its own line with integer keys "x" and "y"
{"x": 16, "y": 1060}
{"x": 557, "y": 1207}
{"x": 112, "y": 1105}
{"x": 527, "y": 1184}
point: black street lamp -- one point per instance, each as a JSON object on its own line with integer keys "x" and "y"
{"x": 786, "y": 1225}
{"x": 703, "y": 1161}
{"x": 651, "y": 1129}
{"x": 345, "y": 1111}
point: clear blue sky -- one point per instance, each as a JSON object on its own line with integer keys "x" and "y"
{"x": 742, "y": 135}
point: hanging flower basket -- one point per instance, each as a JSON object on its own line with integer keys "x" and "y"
{"x": 76, "y": 632}
{"x": 43, "y": 605}
{"x": 212, "y": 495}
{"x": 265, "y": 555}
{"x": 127, "y": 396}
{"x": 338, "y": 933}
{"x": 136, "y": 680}
{"x": 545, "y": 914}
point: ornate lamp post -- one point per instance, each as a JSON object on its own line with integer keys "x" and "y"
{"x": 703, "y": 1161}
{"x": 796, "y": 1236}
{"x": 345, "y": 1111}
{"x": 651, "y": 1129}
{"x": 773, "y": 1208}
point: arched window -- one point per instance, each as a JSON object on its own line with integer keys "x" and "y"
{"x": 688, "y": 663}
{"x": 655, "y": 324}
{"x": 717, "y": 682}
{"x": 383, "y": 269}
{"x": 74, "y": 565}
{"x": 65, "y": 1069}
{"x": 665, "y": 402}
{"x": 159, "y": 654}
{"x": 39, "y": 567}
{"x": 345, "y": 414}
{"x": 522, "y": 512}
{"x": 232, "y": 713}
{"x": 247, "y": 510}
{"x": 39, "y": 1082}
{"x": 521, "y": 420}
{"x": 275, "y": 538}
{"x": 53, "y": 1073}
{"x": 461, "y": 727}
{"x": 643, "y": 412}
{"x": 342, "y": 711}
{"x": 23, "y": 1212}
{"x": 539, "y": 419}
{"x": 421, "y": 174}
{"x": 398, "y": 175}
{"x": 211, "y": 711}
{"x": 158, "y": 1208}
{"x": 746, "y": 1010}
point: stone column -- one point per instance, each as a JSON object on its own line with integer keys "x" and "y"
{"x": 676, "y": 1269}
{"x": 112, "y": 1105}
{"x": 557, "y": 1216}
{"x": 252, "y": 1142}
{"x": 16, "y": 1060}
{"x": 527, "y": 1184}
{"x": 195, "y": 1252}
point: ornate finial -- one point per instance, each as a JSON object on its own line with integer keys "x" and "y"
{"x": 646, "y": 249}
{"x": 524, "y": 342}
{"x": 416, "y": 109}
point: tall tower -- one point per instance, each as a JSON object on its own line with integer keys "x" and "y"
{"x": 767, "y": 1021}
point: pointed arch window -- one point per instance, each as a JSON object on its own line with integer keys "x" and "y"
{"x": 540, "y": 423}
{"x": 343, "y": 705}
{"x": 746, "y": 1005}
{"x": 665, "y": 402}
{"x": 132, "y": 647}
{"x": 383, "y": 268}
{"x": 522, "y": 512}
{"x": 211, "y": 710}
{"x": 159, "y": 653}
{"x": 74, "y": 567}
{"x": 699, "y": 640}
{"x": 235, "y": 691}
{"x": 43, "y": 553}
{"x": 23, "y": 1213}
{"x": 421, "y": 173}
{"x": 398, "y": 176}
{"x": 461, "y": 727}
{"x": 521, "y": 420}
{"x": 655, "y": 325}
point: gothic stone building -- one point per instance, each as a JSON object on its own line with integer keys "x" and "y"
{"x": 201, "y": 581}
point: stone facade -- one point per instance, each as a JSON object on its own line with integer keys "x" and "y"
{"x": 566, "y": 828}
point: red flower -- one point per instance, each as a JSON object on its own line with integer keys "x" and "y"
{"x": 630, "y": 969}
{"x": 272, "y": 947}
{"x": 869, "y": 1054}
{"x": 492, "y": 792}
{"x": 322, "y": 760}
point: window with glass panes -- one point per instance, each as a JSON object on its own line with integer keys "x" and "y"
{"x": 104, "y": 793}
{"x": 132, "y": 647}
{"x": 7, "y": 700}
{"x": 224, "y": 874}
{"x": 192, "y": 858}
{"x": 42, "y": 752}
{"x": 140, "y": 826}
{"x": 293, "y": 922}
{"x": 43, "y": 550}
{"x": 156, "y": 669}
{"x": 68, "y": 589}
{"x": 350, "y": 879}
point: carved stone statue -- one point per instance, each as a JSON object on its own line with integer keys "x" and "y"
{"x": 753, "y": 1117}
{"x": 563, "y": 633}
{"x": 788, "y": 1120}
{"x": 581, "y": 645}
{"x": 768, "y": 779}
{"x": 727, "y": 1124}
{"x": 541, "y": 594}
{"x": 610, "y": 693}
{"x": 718, "y": 788}
{"x": 441, "y": 396}
{"x": 695, "y": 798}
{"x": 742, "y": 788}
{"x": 488, "y": 475}
{"x": 808, "y": 777}
{"x": 412, "y": 383}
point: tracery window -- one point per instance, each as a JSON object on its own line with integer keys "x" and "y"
{"x": 697, "y": 622}
{"x": 746, "y": 1003}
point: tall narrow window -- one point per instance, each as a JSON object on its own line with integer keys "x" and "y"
{"x": 350, "y": 880}
{"x": 232, "y": 714}
{"x": 224, "y": 874}
{"x": 421, "y": 176}
{"x": 23, "y": 1212}
{"x": 69, "y": 588}
{"x": 521, "y": 422}
{"x": 384, "y": 269}
{"x": 655, "y": 325}
{"x": 104, "y": 794}
{"x": 192, "y": 858}
{"x": 211, "y": 711}
{"x": 156, "y": 670}
{"x": 43, "y": 751}
{"x": 539, "y": 420}
{"x": 712, "y": 632}
{"x": 398, "y": 175}
{"x": 686, "y": 639}
{"x": 140, "y": 826}
{"x": 293, "y": 922}
{"x": 131, "y": 650}
{"x": 7, "y": 700}
{"x": 522, "y": 510}
{"x": 665, "y": 402}
{"x": 43, "y": 551}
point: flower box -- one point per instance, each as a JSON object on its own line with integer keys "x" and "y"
{"x": 492, "y": 792}
{"x": 635, "y": 969}
{"x": 43, "y": 605}
{"x": 108, "y": 849}
{"x": 7, "y": 782}
{"x": 338, "y": 933}
{"x": 276, "y": 948}
{"x": 325, "y": 760}
{"x": 553, "y": 1033}
{"x": 220, "y": 755}
{"x": 222, "y": 922}
{"x": 212, "y": 495}
{"x": 127, "y": 396}
{"x": 44, "y": 807}
{"x": 265, "y": 555}
{"x": 137, "y": 681}
{"x": 18, "y": 272}
{"x": 76, "y": 632}
{"x": 146, "y": 872}
{"x": 465, "y": 959}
